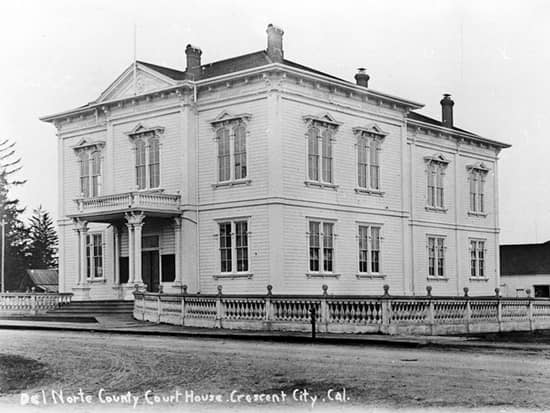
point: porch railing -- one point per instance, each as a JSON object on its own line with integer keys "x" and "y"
{"x": 129, "y": 200}
{"x": 384, "y": 314}
{"x": 31, "y": 303}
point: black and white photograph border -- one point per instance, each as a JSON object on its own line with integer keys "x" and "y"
{"x": 275, "y": 206}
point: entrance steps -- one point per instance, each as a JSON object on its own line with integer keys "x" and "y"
{"x": 91, "y": 308}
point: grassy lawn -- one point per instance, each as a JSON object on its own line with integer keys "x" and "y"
{"x": 18, "y": 373}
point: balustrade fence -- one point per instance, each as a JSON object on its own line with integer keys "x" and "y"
{"x": 384, "y": 314}
{"x": 31, "y": 303}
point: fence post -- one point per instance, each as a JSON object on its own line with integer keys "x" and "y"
{"x": 386, "y": 310}
{"x": 268, "y": 309}
{"x": 499, "y": 309}
{"x": 34, "y": 310}
{"x": 530, "y": 310}
{"x": 219, "y": 309}
{"x": 184, "y": 293}
{"x": 324, "y": 316}
{"x": 468, "y": 314}
{"x": 430, "y": 315}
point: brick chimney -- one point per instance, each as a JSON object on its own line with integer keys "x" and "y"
{"x": 275, "y": 43}
{"x": 193, "y": 68}
{"x": 447, "y": 111}
{"x": 362, "y": 78}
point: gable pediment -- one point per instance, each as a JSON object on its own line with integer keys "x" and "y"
{"x": 373, "y": 129}
{"x": 323, "y": 118}
{"x": 146, "y": 80}
{"x": 85, "y": 144}
{"x": 226, "y": 116}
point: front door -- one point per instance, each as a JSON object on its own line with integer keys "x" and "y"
{"x": 150, "y": 270}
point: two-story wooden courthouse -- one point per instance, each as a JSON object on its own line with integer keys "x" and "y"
{"x": 257, "y": 170}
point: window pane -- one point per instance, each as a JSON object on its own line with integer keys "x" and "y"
{"x": 431, "y": 185}
{"x": 375, "y": 249}
{"x": 327, "y": 156}
{"x": 225, "y": 246}
{"x": 328, "y": 247}
{"x": 363, "y": 249}
{"x": 431, "y": 256}
{"x": 440, "y": 257}
{"x": 240, "y": 152}
{"x": 481, "y": 258}
{"x": 313, "y": 154}
{"x": 481, "y": 194}
{"x": 314, "y": 246}
{"x": 374, "y": 165}
{"x": 140, "y": 164}
{"x": 154, "y": 163}
{"x": 84, "y": 175}
{"x": 241, "y": 243}
{"x": 473, "y": 259}
{"x": 224, "y": 161}
{"x": 362, "y": 164}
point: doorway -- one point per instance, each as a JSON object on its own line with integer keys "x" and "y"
{"x": 150, "y": 263}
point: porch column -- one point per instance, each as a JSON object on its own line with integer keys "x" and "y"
{"x": 130, "y": 253}
{"x": 116, "y": 254}
{"x": 177, "y": 236}
{"x": 137, "y": 252}
{"x": 83, "y": 264}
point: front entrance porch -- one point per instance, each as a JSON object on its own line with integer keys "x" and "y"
{"x": 138, "y": 246}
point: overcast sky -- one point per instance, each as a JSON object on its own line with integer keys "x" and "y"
{"x": 492, "y": 56}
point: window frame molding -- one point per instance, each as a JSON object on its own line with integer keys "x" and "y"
{"x": 369, "y": 275}
{"x": 145, "y": 134}
{"x": 324, "y": 121}
{"x": 234, "y": 273}
{"x": 88, "y": 148}
{"x": 442, "y": 164}
{"x": 321, "y": 273}
{"x": 231, "y": 121}
{"x": 373, "y": 133}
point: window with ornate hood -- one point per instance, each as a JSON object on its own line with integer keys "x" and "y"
{"x": 231, "y": 136}
{"x": 147, "y": 147}
{"x": 436, "y": 167}
{"x": 90, "y": 158}
{"x": 477, "y": 174}
{"x": 368, "y": 149}
{"x": 320, "y": 138}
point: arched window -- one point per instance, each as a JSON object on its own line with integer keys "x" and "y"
{"x": 140, "y": 164}
{"x": 154, "y": 163}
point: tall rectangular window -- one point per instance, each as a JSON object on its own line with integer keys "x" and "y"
{"x": 435, "y": 171}
{"x": 240, "y": 152}
{"x": 369, "y": 249}
{"x": 233, "y": 244}
{"x": 436, "y": 256}
{"x": 368, "y": 148}
{"x": 96, "y": 173}
{"x": 320, "y": 153}
{"x": 94, "y": 255}
{"x": 321, "y": 246}
{"x": 477, "y": 258}
{"x": 477, "y": 190}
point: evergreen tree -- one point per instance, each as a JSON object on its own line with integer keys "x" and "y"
{"x": 43, "y": 240}
{"x": 16, "y": 234}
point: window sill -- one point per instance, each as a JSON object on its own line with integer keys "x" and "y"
{"x": 431, "y": 278}
{"x": 479, "y": 279}
{"x": 366, "y": 191}
{"x": 436, "y": 209}
{"x": 322, "y": 275}
{"x": 370, "y": 276}
{"x": 321, "y": 185}
{"x": 477, "y": 214}
{"x": 96, "y": 280}
{"x": 228, "y": 184}
{"x": 233, "y": 275}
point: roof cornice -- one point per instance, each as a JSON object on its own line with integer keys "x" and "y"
{"x": 458, "y": 134}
